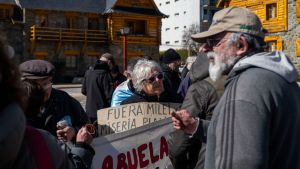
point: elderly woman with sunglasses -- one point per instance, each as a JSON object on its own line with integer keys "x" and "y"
{"x": 147, "y": 81}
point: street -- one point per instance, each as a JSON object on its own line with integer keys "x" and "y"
{"x": 74, "y": 91}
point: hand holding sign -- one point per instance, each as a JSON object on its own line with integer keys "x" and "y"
{"x": 182, "y": 120}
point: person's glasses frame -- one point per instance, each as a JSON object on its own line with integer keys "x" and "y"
{"x": 159, "y": 76}
{"x": 215, "y": 42}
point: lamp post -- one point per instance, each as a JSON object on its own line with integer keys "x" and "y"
{"x": 124, "y": 32}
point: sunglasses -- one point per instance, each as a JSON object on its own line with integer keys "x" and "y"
{"x": 153, "y": 78}
{"x": 215, "y": 42}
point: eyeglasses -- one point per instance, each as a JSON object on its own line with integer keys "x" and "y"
{"x": 153, "y": 78}
{"x": 215, "y": 42}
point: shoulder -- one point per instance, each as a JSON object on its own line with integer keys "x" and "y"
{"x": 133, "y": 99}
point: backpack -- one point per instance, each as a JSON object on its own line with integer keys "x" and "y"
{"x": 39, "y": 148}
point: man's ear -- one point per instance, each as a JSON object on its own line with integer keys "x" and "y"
{"x": 243, "y": 47}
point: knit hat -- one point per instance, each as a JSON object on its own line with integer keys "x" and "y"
{"x": 232, "y": 19}
{"x": 36, "y": 69}
{"x": 170, "y": 56}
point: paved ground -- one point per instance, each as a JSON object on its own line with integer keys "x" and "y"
{"x": 74, "y": 91}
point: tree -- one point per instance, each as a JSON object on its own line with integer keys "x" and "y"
{"x": 191, "y": 45}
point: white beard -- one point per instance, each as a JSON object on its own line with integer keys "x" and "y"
{"x": 217, "y": 69}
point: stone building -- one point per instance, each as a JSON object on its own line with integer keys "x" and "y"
{"x": 72, "y": 34}
{"x": 281, "y": 18}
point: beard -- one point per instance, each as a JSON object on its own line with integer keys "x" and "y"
{"x": 221, "y": 65}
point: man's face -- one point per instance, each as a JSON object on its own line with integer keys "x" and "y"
{"x": 221, "y": 54}
{"x": 46, "y": 84}
{"x": 174, "y": 65}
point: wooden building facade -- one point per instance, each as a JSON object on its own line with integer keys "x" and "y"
{"x": 281, "y": 18}
{"x": 72, "y": 34}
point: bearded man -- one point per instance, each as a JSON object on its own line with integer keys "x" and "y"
{"x": 257, "y": 120}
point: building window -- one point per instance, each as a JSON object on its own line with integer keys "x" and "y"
{"x": 71, "y": 61}
{"x": 205, "y": 11}
{"x": 159, "y": 4}
{"x": 176, "y": 27}
{"x": 4, "y": 13}
{"x": 167, "y": 42}
{"x": 271, "y": 46}
{"x": 176, "y": 14}
{"x": 41, "y": 20}
{"x": 184, "y": 26}
{"x": 91, "y": 60}
{"x": 298, "y": 10}
{"x": 93, "y": 23}
{"x": 298, "y": 47}
{"x": 184, "y": 12}
{"x": 271, "y": 11}
{"x": 274, "y": 43}
{"x": 137, "y": 27}
{"x": 168, "y": 2}
{"x": 176, "y": 41}
{"x": 176, "y": 0}
{"x": 71, "y": 22}
{"x": 167, "y": 29}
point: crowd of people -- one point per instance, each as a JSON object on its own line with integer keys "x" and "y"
{"x": 239, "y": 104}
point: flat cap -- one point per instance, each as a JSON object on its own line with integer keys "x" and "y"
{"x": 36, "y": 69}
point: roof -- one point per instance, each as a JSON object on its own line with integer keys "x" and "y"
{"x": 89, "y": 6}
{"x": 135, "y": 10}
{"x": 10, "y": 2}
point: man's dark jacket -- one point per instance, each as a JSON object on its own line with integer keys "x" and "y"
{"x": 98, "y": 88}
{"x": 59, "y": 105}
{"x": 171, "y": 81}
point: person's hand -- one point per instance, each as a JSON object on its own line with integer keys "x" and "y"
{"x": 84, "y": 136}
{"x": 65, "y": 133}
{"x": 182, "y": 120}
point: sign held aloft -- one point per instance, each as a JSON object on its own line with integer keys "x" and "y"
{"x": 130, "y": 116}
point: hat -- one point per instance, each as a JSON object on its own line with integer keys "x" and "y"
{"x": 233, "y": 19}
{"x": 170, "y": 56}
{"x": 36, "y": 69}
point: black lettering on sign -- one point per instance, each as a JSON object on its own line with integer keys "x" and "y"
{"x": 132, "y": 110}
{"x": 139, "y": 110}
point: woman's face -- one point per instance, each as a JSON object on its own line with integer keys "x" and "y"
{"x": 154, "y": 84}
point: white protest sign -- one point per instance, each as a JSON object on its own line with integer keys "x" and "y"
{"x": 130, "y": 116}
{"x": 143, "y": 147}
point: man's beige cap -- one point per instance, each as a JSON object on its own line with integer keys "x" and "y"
{"x": 232, "y": 19}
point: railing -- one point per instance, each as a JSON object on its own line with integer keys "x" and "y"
{"x": 67, "y": 35}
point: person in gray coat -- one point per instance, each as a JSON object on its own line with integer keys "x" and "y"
{"x": 256, "y": 123}
{"x": 201, "y": 98}
{"x": 15, "y": 152}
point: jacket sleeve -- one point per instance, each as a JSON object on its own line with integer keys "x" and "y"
{"x": 242, "y": 136}
{"x": 83, "y": 87}
{"x": 78, "y": 157}
{"x": 107, "y": 88}
{"x": 79, "y": 116}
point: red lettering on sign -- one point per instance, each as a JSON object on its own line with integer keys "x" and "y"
{"x": 163, "y": 147}
{"x": 152, "y": 157}
{"x": 143, "y": 163}
{"x": 134, "y": 164}
{"x": 136, "y": 157}
{"x": 122, "y": 161}
{"x": 107, "y": 162}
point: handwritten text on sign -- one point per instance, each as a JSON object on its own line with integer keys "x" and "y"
{"x": 126, "y": 117}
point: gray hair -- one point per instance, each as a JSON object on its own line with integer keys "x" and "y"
{"x": 142, "y": 70}
{"x": 256, "y": 44}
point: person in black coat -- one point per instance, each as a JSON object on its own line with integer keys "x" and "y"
{"x": 59, "y": 105}
{"x": 170, "y": 63}
{"x": 147, "y": 78}
{"x": 98, "y": 88}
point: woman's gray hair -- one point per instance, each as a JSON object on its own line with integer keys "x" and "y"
{"x": 256, "y": 44}
{"x": 142, "y": 70}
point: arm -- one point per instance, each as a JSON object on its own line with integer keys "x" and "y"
{"x": 83, "y": 87}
